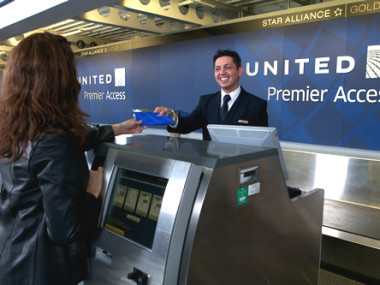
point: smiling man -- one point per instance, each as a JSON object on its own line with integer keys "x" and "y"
{"x": 232, "y": 105}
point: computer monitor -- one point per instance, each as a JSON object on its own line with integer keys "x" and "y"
{"x": 248, "y": 135}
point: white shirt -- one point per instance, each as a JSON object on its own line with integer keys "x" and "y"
{"x": 234, "y": 94}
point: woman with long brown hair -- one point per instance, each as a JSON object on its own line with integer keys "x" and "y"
{"x": 48, "y": 198}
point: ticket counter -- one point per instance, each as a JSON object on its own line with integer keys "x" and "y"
{"x": 182, "y": 211}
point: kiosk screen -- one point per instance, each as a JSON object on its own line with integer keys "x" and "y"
{"x": 135, "y": 206}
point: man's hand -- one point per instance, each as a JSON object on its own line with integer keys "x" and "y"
{"x": 166, "y": 111}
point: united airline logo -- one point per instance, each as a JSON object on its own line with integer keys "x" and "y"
{"x": 105, "y": 79}
{"x": 319, "y": 66}
{"x": 343, "y": 64}
{"x": 373, "y": 62}
{"x": 103, "y": 84}
{"x": 119, "y": 77}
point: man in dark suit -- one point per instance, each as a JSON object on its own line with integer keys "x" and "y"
{"x": 241, "y": 107}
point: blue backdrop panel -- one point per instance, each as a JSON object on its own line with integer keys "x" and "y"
{"x": 363, "y": 118}
{"x": 146, "y": 77}
{"x": 313, "y": 122}
{"x": 107, "y": 100}
{"x": 314, "y": 77}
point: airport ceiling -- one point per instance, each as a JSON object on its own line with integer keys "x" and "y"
{"x": 100, "y": 22}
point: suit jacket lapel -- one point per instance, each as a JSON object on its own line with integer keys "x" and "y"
{"x": 213, "y": 109}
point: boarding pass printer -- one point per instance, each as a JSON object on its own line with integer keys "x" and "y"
{"x": 183, "y": 211}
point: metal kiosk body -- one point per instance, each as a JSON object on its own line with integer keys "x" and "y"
{"x": 182, "y": 211}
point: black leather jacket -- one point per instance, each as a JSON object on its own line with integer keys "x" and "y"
{"x": 45, "y": 214}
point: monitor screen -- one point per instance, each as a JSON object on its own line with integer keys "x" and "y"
{"x": 135, "y": 206}
{"x": 249, "y": 135}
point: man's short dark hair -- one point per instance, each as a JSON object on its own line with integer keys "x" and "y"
{"x": 228, "y": 52}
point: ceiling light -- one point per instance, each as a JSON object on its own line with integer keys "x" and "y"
{"x": 22, "y": 9}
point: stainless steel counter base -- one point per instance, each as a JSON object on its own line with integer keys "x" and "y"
{"x": 351, "y": 216}
{"x": 231, "y": 222}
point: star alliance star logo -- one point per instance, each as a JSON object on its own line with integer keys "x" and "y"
{"x": 338, "y": 12}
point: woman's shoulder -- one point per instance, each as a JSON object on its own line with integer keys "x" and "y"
{"x": 58, "y": 145}
{"x": 56, "y": 139}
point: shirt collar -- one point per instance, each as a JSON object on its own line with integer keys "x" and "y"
{"x": 234, "y": 94}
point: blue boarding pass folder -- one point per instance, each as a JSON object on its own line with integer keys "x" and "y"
{"x": 149, "y": 118}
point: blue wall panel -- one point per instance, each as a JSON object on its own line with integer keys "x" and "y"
{"x": 325, "y": 60}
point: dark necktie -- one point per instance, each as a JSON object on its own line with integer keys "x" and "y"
{"x": 224, "y": 109}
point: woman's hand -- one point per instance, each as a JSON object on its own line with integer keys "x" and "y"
{"x": 130, "y": 126}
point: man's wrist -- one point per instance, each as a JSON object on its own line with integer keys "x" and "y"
{"x": 174, "y": 117}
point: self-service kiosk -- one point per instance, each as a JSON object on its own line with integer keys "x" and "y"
{"x": 183, "y": 211}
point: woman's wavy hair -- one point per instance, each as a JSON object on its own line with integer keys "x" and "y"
{"x": 39, "y": 94}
